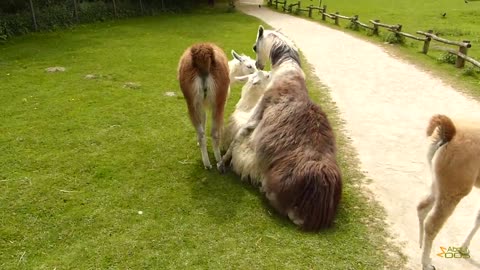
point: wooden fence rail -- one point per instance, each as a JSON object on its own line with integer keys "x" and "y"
{"x": 394, "y": 28}
{"x": 355, "y": 21}
{"x": 462, "y": 50}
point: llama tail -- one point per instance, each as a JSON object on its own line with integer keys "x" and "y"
{"x": 443, "y": 131}
{"x": 446, "y": 128}
{"x": 319, "y": 197}
{"x": 202, "y": 57}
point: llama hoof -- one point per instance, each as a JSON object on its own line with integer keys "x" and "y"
{"x": 429, "y": 267}
{"x": 207, "y": 167}
{"x": 221, "y": 167}
{"x": 463, "y": 250}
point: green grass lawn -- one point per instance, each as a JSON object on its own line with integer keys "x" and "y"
{"x": 461, "y": 22}
{"x": 80, "y": 158}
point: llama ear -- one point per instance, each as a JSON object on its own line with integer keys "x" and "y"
{"x": 242, "y": 78}
{"x": 237, "y": 56}
{"x": 260, "y": 31}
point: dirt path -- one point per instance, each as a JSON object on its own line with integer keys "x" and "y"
{"x": 386, "y": 103}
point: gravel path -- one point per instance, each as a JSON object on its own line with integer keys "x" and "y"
{"x": 386, "y": 103}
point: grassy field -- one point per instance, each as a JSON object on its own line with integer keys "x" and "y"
{"x": 81, "y": 158}
{"x": 461, "y": 22}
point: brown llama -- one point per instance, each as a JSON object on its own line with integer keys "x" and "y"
{"x": 203, "y": 75}
{"x": 455, "y": 165}
{"x": 293, "y": 141}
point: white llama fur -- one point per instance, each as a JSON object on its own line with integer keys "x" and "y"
{"x": 198, "y": 86}
{"x": 240, "y": 65}
{"x": 243, "y": 156}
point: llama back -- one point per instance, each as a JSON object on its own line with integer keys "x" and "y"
{"x": 204, "y": 66}
{"x": 296, "y": 145}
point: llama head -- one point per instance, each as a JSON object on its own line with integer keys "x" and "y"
{"x": 257, "y": 80}
{"x": 242, "y": 64}
{"x": 275, "y": 46}
{"x": 261, "y": 48}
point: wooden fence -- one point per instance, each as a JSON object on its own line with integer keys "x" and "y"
{"x": 375, "y": 25}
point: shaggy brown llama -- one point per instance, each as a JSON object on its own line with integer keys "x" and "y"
{"x": 293, "y": 140}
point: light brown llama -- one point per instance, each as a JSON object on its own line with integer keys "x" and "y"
{"x": 454, "y": 158}
{"x": 203, "y": 75}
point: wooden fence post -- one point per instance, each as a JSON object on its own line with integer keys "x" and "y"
{"x": 336, "y": 17}
{"x": 33, "y": 16}
{"x": 355, "y": 19}
{"x": 460, "y": 62}
{"x": 141, "y": 7}
{"x": 310, "y": 11}
{"x": 426, "y": 43}
{"x": 324, "y": 11}
{"x": 75, "y": 10}
{"x": 399, "y": 29}
{"x": 375, "y": 27}
{"x": 115, "y": 8}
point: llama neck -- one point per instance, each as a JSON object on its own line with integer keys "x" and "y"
{"x": 248, "y": 101}
{"x": 281, "y": 52}
{"x": 287, "y": 68}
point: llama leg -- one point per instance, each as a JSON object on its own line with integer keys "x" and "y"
{"x": 239, "y": 137}
{"x": 202, "y": 141}
{"x": 242, "y": 133}
{"x": 216, "y": 128}
{"x": 475, "y": 228}
{"x": 423, "y": 209}
{"x": 442, "y": 209}
{"x": 226, "y": 158}
{"x": 203, "y": 120}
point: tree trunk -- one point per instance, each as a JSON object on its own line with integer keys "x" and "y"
{"x": 75, "y": 10}
{"x": 115, "y": 9}
{"x": 33, "y": 16}
{"x": 141, "y": 7}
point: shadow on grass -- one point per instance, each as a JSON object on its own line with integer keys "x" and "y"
{"x": 221, "y": 195}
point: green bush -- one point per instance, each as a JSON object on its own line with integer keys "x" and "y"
{"x": 16, "y": 18}
{"x": 94, "y": 12}
{"x": 14, "y": 24}
{"x": 393, "y": 38}
{"x": 447, "y": 58}
{"x": 471, "y": 71}
{"x": 54, "y": 17}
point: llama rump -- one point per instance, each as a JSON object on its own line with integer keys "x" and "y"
{"x": 203, "y": 75}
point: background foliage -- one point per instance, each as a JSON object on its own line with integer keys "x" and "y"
{"x": 16, "y": 15}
